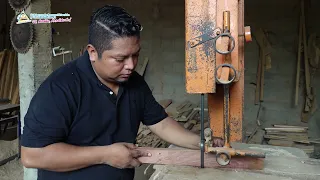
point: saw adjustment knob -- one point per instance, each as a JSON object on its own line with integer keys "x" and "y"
{"x": 223, "y": 158}
{"x": 247, "y": 34}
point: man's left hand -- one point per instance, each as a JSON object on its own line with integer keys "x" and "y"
{"x": 217, "y": 142}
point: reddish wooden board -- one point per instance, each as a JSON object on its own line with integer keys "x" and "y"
{"x": 187, "y": 157}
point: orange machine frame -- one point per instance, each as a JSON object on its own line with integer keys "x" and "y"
{"x": 202, "y": 16}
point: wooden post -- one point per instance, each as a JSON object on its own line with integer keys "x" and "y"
{"x": 35, "y": 66}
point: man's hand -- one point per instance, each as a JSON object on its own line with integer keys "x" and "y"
{"x": 217, "y": 142}
{"x": 123, "y": 155}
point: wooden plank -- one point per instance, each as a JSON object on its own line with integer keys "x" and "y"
{"x": 3, "y": 55}
{"x": 263, "y": 65}
{"x": 8, "y": 108}
{"x": 285, "y": 130}
{"x": 288, "y": 126}
{"x": 285, "y": 143}
{"x": 290, "y": 138}
{"x": 200, "y": 19}
{"x": 305, "y": 52}
{"x": 3, "y": 75}
{"x": 182, "y": 157}
{"x": 14, "y": 77}
{"x": 9, "y": 74}
{"x": 258, "y": 82}
{"x": 296, "y": 98}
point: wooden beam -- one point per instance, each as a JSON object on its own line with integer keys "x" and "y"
{"x": 187, "y": 157}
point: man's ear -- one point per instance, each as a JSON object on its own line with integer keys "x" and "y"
{"x": 93, "y": 54}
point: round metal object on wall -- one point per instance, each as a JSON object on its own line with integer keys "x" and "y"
{"x": 21, "y": 36}
{"x": 19, "y": 5}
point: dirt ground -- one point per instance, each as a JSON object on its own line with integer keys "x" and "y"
{"x": 13, "y": 170}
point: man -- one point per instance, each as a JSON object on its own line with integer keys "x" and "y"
{"x": 83, "y": 120}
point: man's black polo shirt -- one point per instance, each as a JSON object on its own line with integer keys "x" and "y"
{"x": 74, "y": 107}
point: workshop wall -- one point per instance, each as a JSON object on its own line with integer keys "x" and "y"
{"x": 281, "y": 20}
{"x": 163, "y": 44}
{"x": 162, "y": 39}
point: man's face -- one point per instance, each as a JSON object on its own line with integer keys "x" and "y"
{"x": 117, "y": 64}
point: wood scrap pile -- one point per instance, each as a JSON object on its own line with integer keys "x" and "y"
{"x": 186, "y": 113}
{"x": 290, "y": 136}
{"x": 9, "y": 80}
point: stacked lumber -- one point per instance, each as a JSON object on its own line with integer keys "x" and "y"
{"x": 186, "y": 113}
{"x": 146, "y": 138}
{"x": 9, "y": 80}
{"x": 289, "y": 136}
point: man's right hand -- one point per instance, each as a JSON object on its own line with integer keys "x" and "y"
{"x": 123, "y": 155}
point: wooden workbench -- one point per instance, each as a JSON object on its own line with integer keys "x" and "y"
{"x": 4, "y": 108}
{"x": 281, "y": 163}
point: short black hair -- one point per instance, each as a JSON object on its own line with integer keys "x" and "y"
{"x": 110, "y": 22}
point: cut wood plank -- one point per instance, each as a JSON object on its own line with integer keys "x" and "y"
{"x": 187, "y": 107}
{"x": 296, "y": 99}
{"x": 263, "y": 66}
{"x": 287, "y": 133}
{"x": 14, "y": 76}
{"x": 183, "y": 118}
{"x": 281, "y": 143}
{"x": 182, "y": 105}
{"x": 182, "y": 157}
{"x": 285, "y": 130}
{"x": 258, "y": 82}
{"x": 9, "y": 74}
{"x": 199, "y": 109}
{"x": 287, "y": 126}
{"x": 307, "y": 149}
{"x": 3, "y": 55}
{"x": 189, "y": 124}
{"x": 3, "y": 75}
{"x": 289, "y": 138}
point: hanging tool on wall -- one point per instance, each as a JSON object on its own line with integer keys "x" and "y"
{"x": 58, "y": 51}
{"x": 21, "y": 34}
